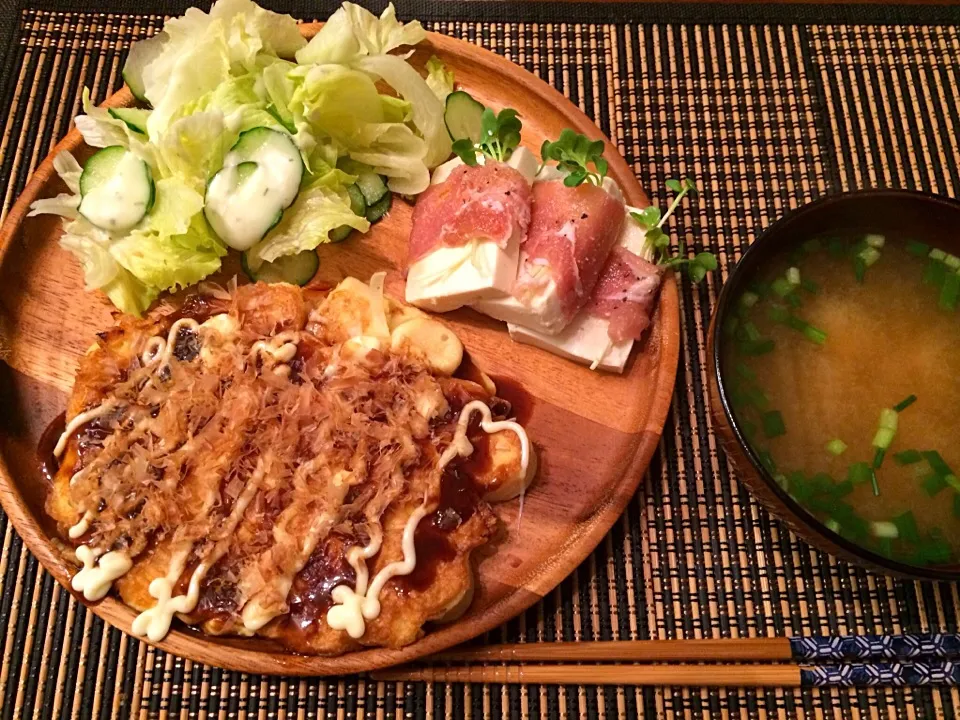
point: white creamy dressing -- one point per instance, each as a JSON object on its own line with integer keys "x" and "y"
{"x": 354, "y": 606}
{"x": 171, "y": 341}
{"x": 245, "y": 209}
{"x": 120, "y": 202}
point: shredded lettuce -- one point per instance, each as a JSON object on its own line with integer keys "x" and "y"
{"x": 439, "y": 79}
{"x": 307, "y": 223}
{"x": 209, "y": 76}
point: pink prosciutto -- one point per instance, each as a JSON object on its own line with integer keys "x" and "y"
{"x": 490, "y": 201}
{"x": 572, "y": 230}
{"x": 625, "y": 294}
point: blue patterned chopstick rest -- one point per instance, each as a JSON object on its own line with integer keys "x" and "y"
{"x": 890, "y": 674}
{"x": 865, "y": 647}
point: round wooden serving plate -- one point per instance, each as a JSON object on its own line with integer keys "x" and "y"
{"x": 595, "y": 432}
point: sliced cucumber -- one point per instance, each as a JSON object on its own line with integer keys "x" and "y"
{"x": 352, "y": 167}
{"x": 359, "y": 207}
{"x": 376, "y": 211}
{"x": 372, "y": 186}
{"x": 133, "y": 118}
{"x": 296, "y": 269}
{"x": 259, "y": 179}
{"x": 287, "y": 123}
{"x": 462, "y": 116}
{"x": 141, "y": 54}
{"x": 116, "y": 189}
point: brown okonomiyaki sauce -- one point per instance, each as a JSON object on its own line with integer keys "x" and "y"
{"x": 48, "y": 441}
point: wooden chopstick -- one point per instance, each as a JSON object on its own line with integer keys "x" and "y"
{"x": 700, "y": 650}
{"x": 665, "y": 675}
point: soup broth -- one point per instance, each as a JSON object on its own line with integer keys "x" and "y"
{"x": 842, "y": 366}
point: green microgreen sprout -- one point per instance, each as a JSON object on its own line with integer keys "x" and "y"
{"x": 574, "y": 153}
{"x": 651, "y": 218}
{"x": 499, "y": 137}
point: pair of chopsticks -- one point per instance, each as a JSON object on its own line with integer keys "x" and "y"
{"x": 846, "y": 661}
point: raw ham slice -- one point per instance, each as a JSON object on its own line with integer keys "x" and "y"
{"x": 490, "y": 201}
{"x": 572, "y": 230}
{"x": 625, "y": 294}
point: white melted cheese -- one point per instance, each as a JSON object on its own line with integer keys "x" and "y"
{"x": 354, "y": 606}
{"x": 95, "y": 578}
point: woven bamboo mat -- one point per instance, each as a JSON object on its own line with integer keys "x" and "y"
{"x": 765, "y": 116}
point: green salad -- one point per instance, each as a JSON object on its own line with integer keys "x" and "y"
{"x": 247, "y": 137}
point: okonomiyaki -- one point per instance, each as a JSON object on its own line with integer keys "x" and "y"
{"x": 296, "y": 464}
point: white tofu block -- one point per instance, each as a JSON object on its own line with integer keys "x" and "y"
{"x": 583, "y": 341}
{"x": 451, "y": 277}
{"x": 540, "y": 312}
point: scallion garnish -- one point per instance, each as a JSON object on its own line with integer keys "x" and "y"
{"x": 952, "y": 481}
{"x": 859, "y": 472}
{"x": 810, "y": 286}
{"x": 907, "y": 525}
{"x": 938, "y": 254}
{"x": 793, "y": 276}
{"x": 836, "y": 447}
{"x": 878, "y": 456}
{"x": 933, "y": 483}
{"x": 815, "y": 335}
{"x": 749, "y": 299}
{"x": 886, "y": 429}
{"x": 950, "y": 291}
{"x": 918, "y": 249}
{"x": 832, "y": 525}
{"x": 884, "y": 529}
{"x": 873, "y": 482}
{"x": 875, "y": 241}
{"x": 859, "y": 268}
{"x": 952, "y": 262}
{"x": 869, "y": 255}
{"x": 935, "y": 273}
{"x": 772, "y": 423}
{"x": 758, "y": 347}
{"x": 778, "y": 313}
{"x": 751, "y": 332}
{"x": 744, "y": 371}
{"x": 908, "y": 457}
{"x": 937, "y": 463}
{"x": 905, "y": 403}
{"x": 782, "y": 287}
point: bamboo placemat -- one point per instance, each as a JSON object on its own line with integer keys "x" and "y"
{"x": 765, "y": 116}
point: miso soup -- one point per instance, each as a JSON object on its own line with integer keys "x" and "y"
{"x": 842, "y": 365}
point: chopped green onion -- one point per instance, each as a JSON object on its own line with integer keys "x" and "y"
{"x": 836, "y": 447}
{"x": 815, "y": 335}
{"x": 760, "y": 347}
{"x": 935, "y": 273}
{"x": 772, "y": 423}
{"x": 933, "y": 483}
{"x": 873, "y": 482}
{"x": 778, "y": 313}
{"x": 878, "y": 457}
{"x": 869, "y": 255}
{"x": 793, "y": 276}
{"x": 836, "y": 247}
{"x": 749, "y": 299}
{"x": 952, "y": 481}
{"x": 905, "y": 403}
{"x": 782, "y": 287}
{"x": 950, "y": 291}
{"x": 908, "y": 457}
{"x": 810, "y": 286}
{"x": 938, "y": 254}
{"x": 933, "y": 551}
{"x": 937, "y": 462}
{"x": 859, "y": 268}
{"x": 811, "y": 245}
{"x": 886, "y": 430}
{"x": 751, "y": 332}
{"x": 744, "y": 371}
{"x": 907, "y": 525}
{"x": 859, "y": 472}
{"x": 884, "y": 529}
{"x": 875, "y": 241}
{"x": 918, "y": 249}
{"x": 884, "y": 438}
{"x": 889, "y": 418}
{"x": 749, "y": 428}
{"x": 842, "y": 489}
{"x": 756, "y": 397}
{"x": 952, "y": 262}
{"x": 793, "y": 300}
{"x": 832, "y": 525}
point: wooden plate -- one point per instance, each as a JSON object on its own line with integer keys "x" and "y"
{"x": 595, "y": 432}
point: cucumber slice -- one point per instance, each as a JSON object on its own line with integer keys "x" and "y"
{"x": 376, "y": 211}
{"x": 296, "y": 269}
{"x": 141, "y": 54}
{"x": 372, "y": 186}
{"x": 352, "y": 167}
{"x": 116, "y": 189}
{"x": 462, "y": 116}
{"x": 359, "y": 207}
{"x": 259, "y": 179}
{"x": 133, "y": 118}
{"x": 287, "y": 124}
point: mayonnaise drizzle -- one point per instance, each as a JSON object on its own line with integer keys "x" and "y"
{"x": 80, "y": 420}
{"x": 354, "y": 606}
{"x": 189, "y": 323}
{"x": 95, "y": 579}
{"x": 154, "y": 623}
{"x": 81, "y": 527}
